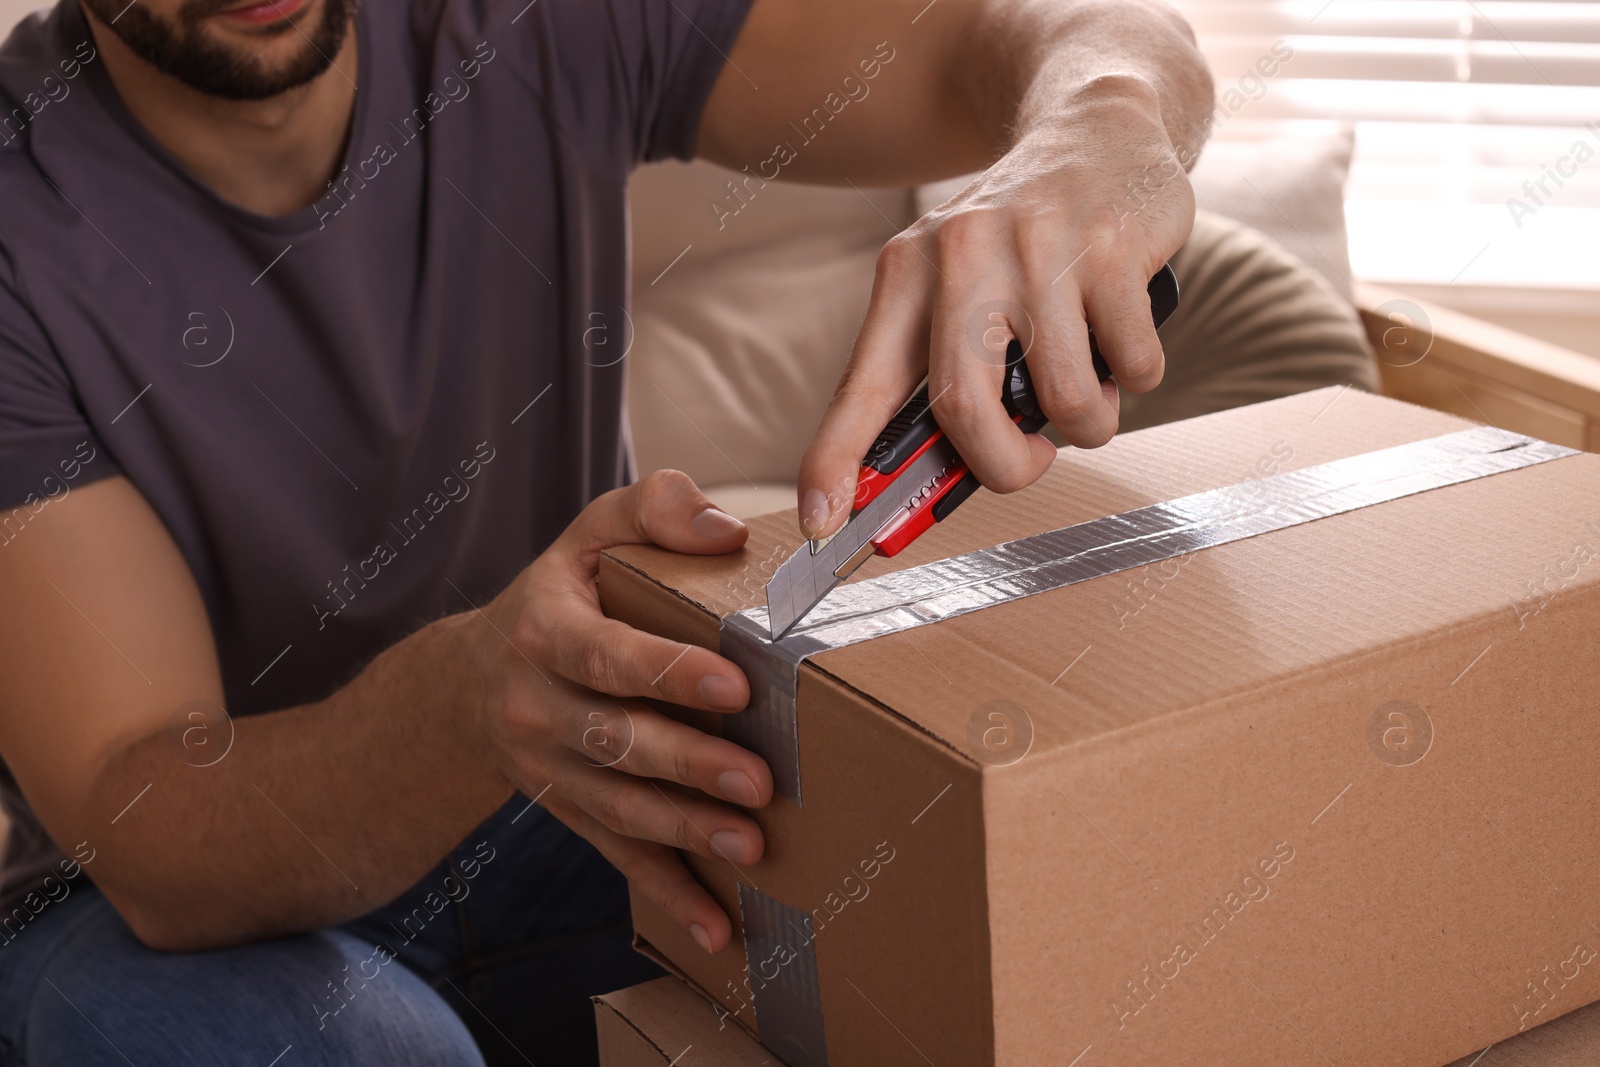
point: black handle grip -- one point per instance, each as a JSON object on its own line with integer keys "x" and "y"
{"x": 911, "y": 426}
{"x": 914, "y": 423}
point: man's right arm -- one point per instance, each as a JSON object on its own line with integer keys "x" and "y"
{"x": 322, "y": 812}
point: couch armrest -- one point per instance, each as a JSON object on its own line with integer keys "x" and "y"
{"x": 1482, "y": 371}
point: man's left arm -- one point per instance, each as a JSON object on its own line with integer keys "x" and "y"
{"x": 1087, "y": 114}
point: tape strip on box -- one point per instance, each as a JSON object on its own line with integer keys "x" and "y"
{"x": 785, "y": 989}
{"x": 904, "y": 600}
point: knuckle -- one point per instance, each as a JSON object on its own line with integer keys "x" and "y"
{"x": 607, "y": 808}
{"x": 669, "y": 480}
{"x": 518, "y": 718}
{"x": 1072, "y": 410}
{"x": 636, "y": 866}
{"x": 657, "y": 487}
{"x": 1090, "y": 433}
{"x": 958, "y": 401}
{"x": 645, "y": 866}
{"x": 1142, "y": 360}
{"x": 684, "y": 836}
{"x": 1094, "y": 436}
{"x": 1108, "y": 249}
{"x": 1041, "y": 260}
{"x": 598, "y": 669}
{"x": 960, "y": 232}
{"x": 898, "y": 255}
{"x": 855, "y": 381}
{"x": 598, "y": 740}
{"x": 527, "y": 638}
{"x": 595, "y": 511}
{"x": 682, "y": 767}
{"x": 567, "y": 650}
{"x": 1061, "y": 397}
{"x": 1005, "y": 476}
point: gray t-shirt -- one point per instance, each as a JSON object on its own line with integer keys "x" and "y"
{"x": 361, "y": 416}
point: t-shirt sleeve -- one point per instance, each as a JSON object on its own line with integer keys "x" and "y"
{"x": 643, "y": 67}
{"x": 46, "y": 445}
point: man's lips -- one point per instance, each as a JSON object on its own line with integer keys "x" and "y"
{"x": 266, "y": 11}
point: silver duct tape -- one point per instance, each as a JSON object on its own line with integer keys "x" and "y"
{"x": 786, "y": 992}
{"x": 906, "y": 599}
{"x": 768, "y": 726}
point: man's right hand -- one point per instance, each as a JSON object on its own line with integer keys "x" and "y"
{"x": 559, "y": 706}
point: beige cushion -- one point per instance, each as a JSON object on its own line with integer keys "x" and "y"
{"x": 1289, "y": 188}
{"x": 738, "y": 343}
{"x": 736, "y": 348}
{"x": 1252, "y": 324}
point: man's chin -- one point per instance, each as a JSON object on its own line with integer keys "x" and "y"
{"x": 244, "y": 53}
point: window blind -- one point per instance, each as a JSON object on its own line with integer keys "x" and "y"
{"x": 1477, "y": 125}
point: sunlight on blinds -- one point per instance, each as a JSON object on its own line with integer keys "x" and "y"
{"x": 1477, "y": 125}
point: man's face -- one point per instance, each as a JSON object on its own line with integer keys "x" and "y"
{"x": 237, "y": 49}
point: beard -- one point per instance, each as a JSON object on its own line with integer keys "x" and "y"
{"x": 183, "y": 49}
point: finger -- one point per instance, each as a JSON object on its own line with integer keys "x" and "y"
{"x": 1042, "y": 455}
{"x": 635, "y": 807}
{"x": 612, "y": 657}
{"x": 663, "y": 508}
{"x": 887, "y": 363}
{"x": 647, "y": 744}
{"x": 972, "y": 328}
{"x": 656, "y": 873}
{"x": 1118, "y": 307}
{"x": 1061, "y": 365}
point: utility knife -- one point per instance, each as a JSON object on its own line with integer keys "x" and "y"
{"x": 913, "y": 478}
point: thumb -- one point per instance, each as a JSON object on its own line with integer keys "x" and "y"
{"x": 664, "y": 508}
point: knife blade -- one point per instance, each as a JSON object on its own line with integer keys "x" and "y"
{"x": 807, "y": 576}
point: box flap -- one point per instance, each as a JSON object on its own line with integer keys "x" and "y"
{"x": 682, "y": 1027}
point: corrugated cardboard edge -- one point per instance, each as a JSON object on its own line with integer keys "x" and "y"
{"x": 632, "y": 1035}
{"x": 622, "y": 1043}
{"x": 666, "y": 1022}
{"x": 1572, "y": 1040}
{"x": 643, "y": 947}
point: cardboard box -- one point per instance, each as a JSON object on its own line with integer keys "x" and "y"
{"x": 665, "y": 1023}
{"x": 1321, "y": 796}
{"x": 1572, "y": 1040}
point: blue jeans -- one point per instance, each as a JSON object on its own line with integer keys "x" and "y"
{"x": 490, "y": 959}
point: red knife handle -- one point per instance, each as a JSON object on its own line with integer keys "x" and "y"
{"x": 916, "y": 520}
{"x": 914, "y": 429}
{"x": 952, "y": 488}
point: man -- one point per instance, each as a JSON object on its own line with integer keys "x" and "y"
{"x": 293, "y": 387}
